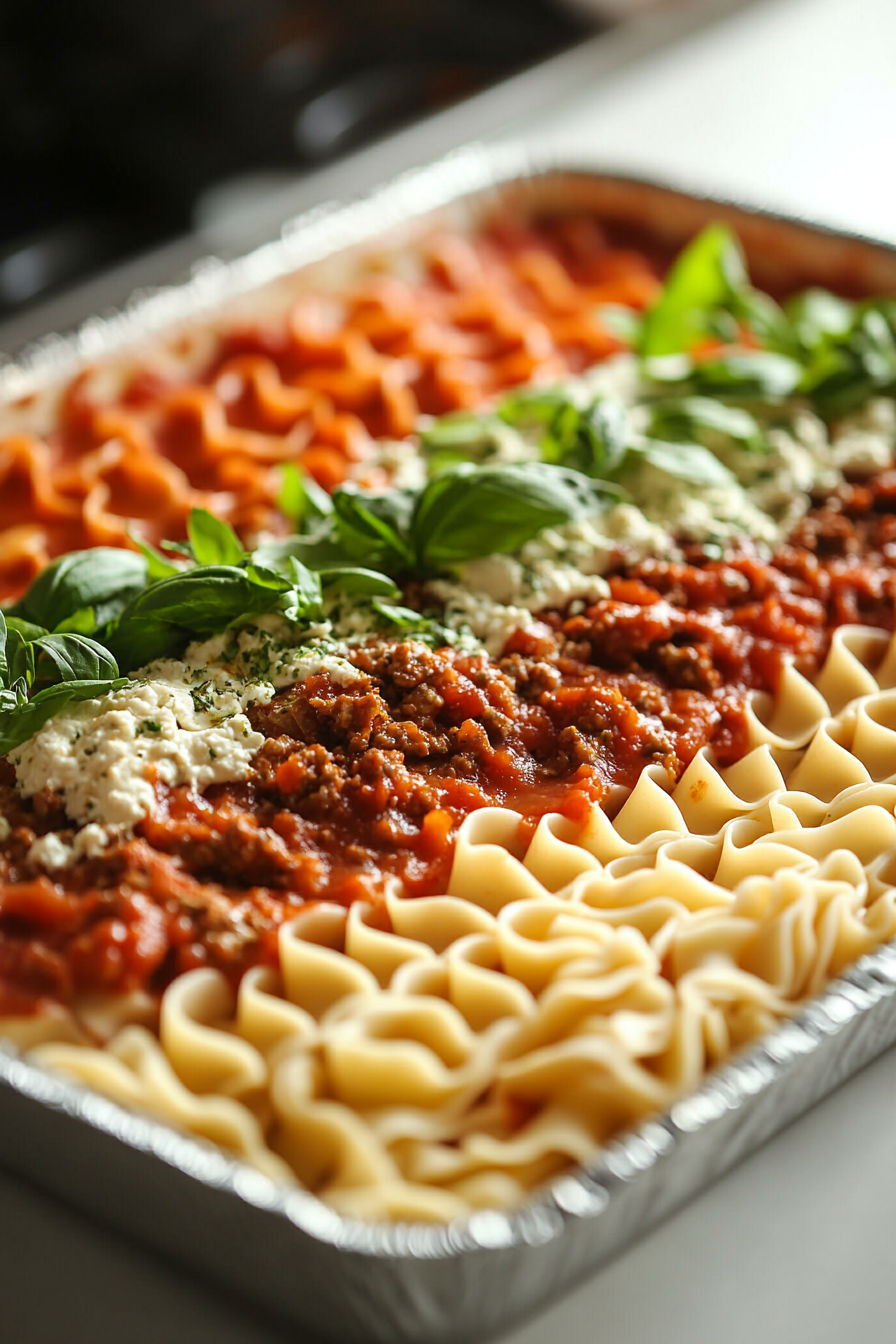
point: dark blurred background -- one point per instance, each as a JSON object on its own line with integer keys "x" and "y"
{"x": 115, "y": 116}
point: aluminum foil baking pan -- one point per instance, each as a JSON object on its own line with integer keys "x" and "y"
{"x": 280, "y": 1248}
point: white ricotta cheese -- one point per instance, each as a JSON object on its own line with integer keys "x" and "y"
{"x": 714, "y": 513}
{"x": 403, "y": 462}
{"x": 266, "y": 652}
{"x": 497, "y": 594}
{"x": 864, "y": 442}
{"x": 619, "y": 377}
{"x": 102, "y": 756}
{"x": 489, "y": 621}
{"x": 51, "y": 852}
{"x": 179, "y": 722}
{"x": 91, "y": 840}
{"x": 592, "y": 544}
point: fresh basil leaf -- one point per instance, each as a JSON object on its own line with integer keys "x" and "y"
{"x": 686, "y": 461}
{"x": 474, "y": 511}
{"x": 722, "y": 326}
{"x": 847, "y": 370}
{"x": 319, "y": 546}
{"x": 606, "y": 430}
{"x": 533, "y": 405}
{"x": 747, "y": 375}
{"x": 693, "y": 419}
{"x": 592, "y": 439}
{"x": 139, "y": 641}
{"x": 875, "y": 346}
{"x": 564, "y": 444}
{"x": 767, "y": 321}
{"x": 12, "y": 699}
{"x": 4, "y": 662}
{"x": 203, "y": 601}
{"x": 626, "y": 324}
{"x": 752, "y": 375}
{"x": 268, "y": 577}
{"x": 158, "y": 566}
{"x": 214, "y": 542}
{"x": 404, "y": 617}
{"x": 356, "y": 580}
{"x": 19, "y": 653}
{"x": 707, "y": 295}
{"x": 103, "y": 578}
{"x": 76, "y": 658}
{"x": 704, "y": 277}
{"x": 841, "y": 391}
{"x": 422, "y": 628}
{"x": 373, "y": 527}
{"x": 196, "y": 603}
{"x": 305, "y": 596}
{"x": 20, "y": 723}
{"x": 27, "y": 629}
{"x": 468, "y": 433}
{"x": 300, "y": 497}
{"x": 445, "y": 460}
{"x": 183, "y": 548}
{"x": 81, "y": 622}
{"x": 819, "y": 317}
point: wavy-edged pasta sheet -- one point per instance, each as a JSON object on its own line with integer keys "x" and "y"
{"x": 206, "y": 419}
{"x": 562, "y": 990}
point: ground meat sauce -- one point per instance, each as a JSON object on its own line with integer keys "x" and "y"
{"x": 355, "y": 784}
{"x": 364, "y": 783}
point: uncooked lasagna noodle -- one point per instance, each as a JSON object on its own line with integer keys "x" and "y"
{"x": 419, "y": 896}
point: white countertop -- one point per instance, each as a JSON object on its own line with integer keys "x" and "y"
{"x": 789, "y": 103}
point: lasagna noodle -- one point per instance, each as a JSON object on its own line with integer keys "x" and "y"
{"x": 561, "y": 990}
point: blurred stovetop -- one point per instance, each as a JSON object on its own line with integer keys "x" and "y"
{"x": 116, "y": 118}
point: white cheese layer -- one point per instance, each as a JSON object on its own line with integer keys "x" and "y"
{"x": 51, "y": 851}
{"x": 103, "y": 755}
{"x": 266, "y": 652}
{"x": 183, "y": 722}
{"x": 489, "y": 621}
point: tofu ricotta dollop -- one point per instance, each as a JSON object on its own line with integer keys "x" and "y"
{"x": 178, "y": 722}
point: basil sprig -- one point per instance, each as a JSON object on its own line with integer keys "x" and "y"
{"x": 300, "y": 497}
{"x": 757, "y": 377}
{"x": 102, "y": 580}
{"x": 471, "y": 511}
{"x": 706, "y": 294}
{"x": 847, "y": 365}
{"x": 462, "y": 513}
{"x": 41, "y": 673}
{"x": 95, "y": 612}
{"x": 706, "y": 421}
{"x": 689, "y": 462}
{"x": 597, "y": 440}
{"x": 835, "y": 353}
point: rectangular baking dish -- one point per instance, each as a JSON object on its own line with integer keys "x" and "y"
{"x": 281, "y": 1248}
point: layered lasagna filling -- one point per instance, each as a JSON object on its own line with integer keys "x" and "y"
{"x": 539, "y": 597}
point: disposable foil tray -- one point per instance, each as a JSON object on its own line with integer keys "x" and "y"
{"x": 343, "y": 1280}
